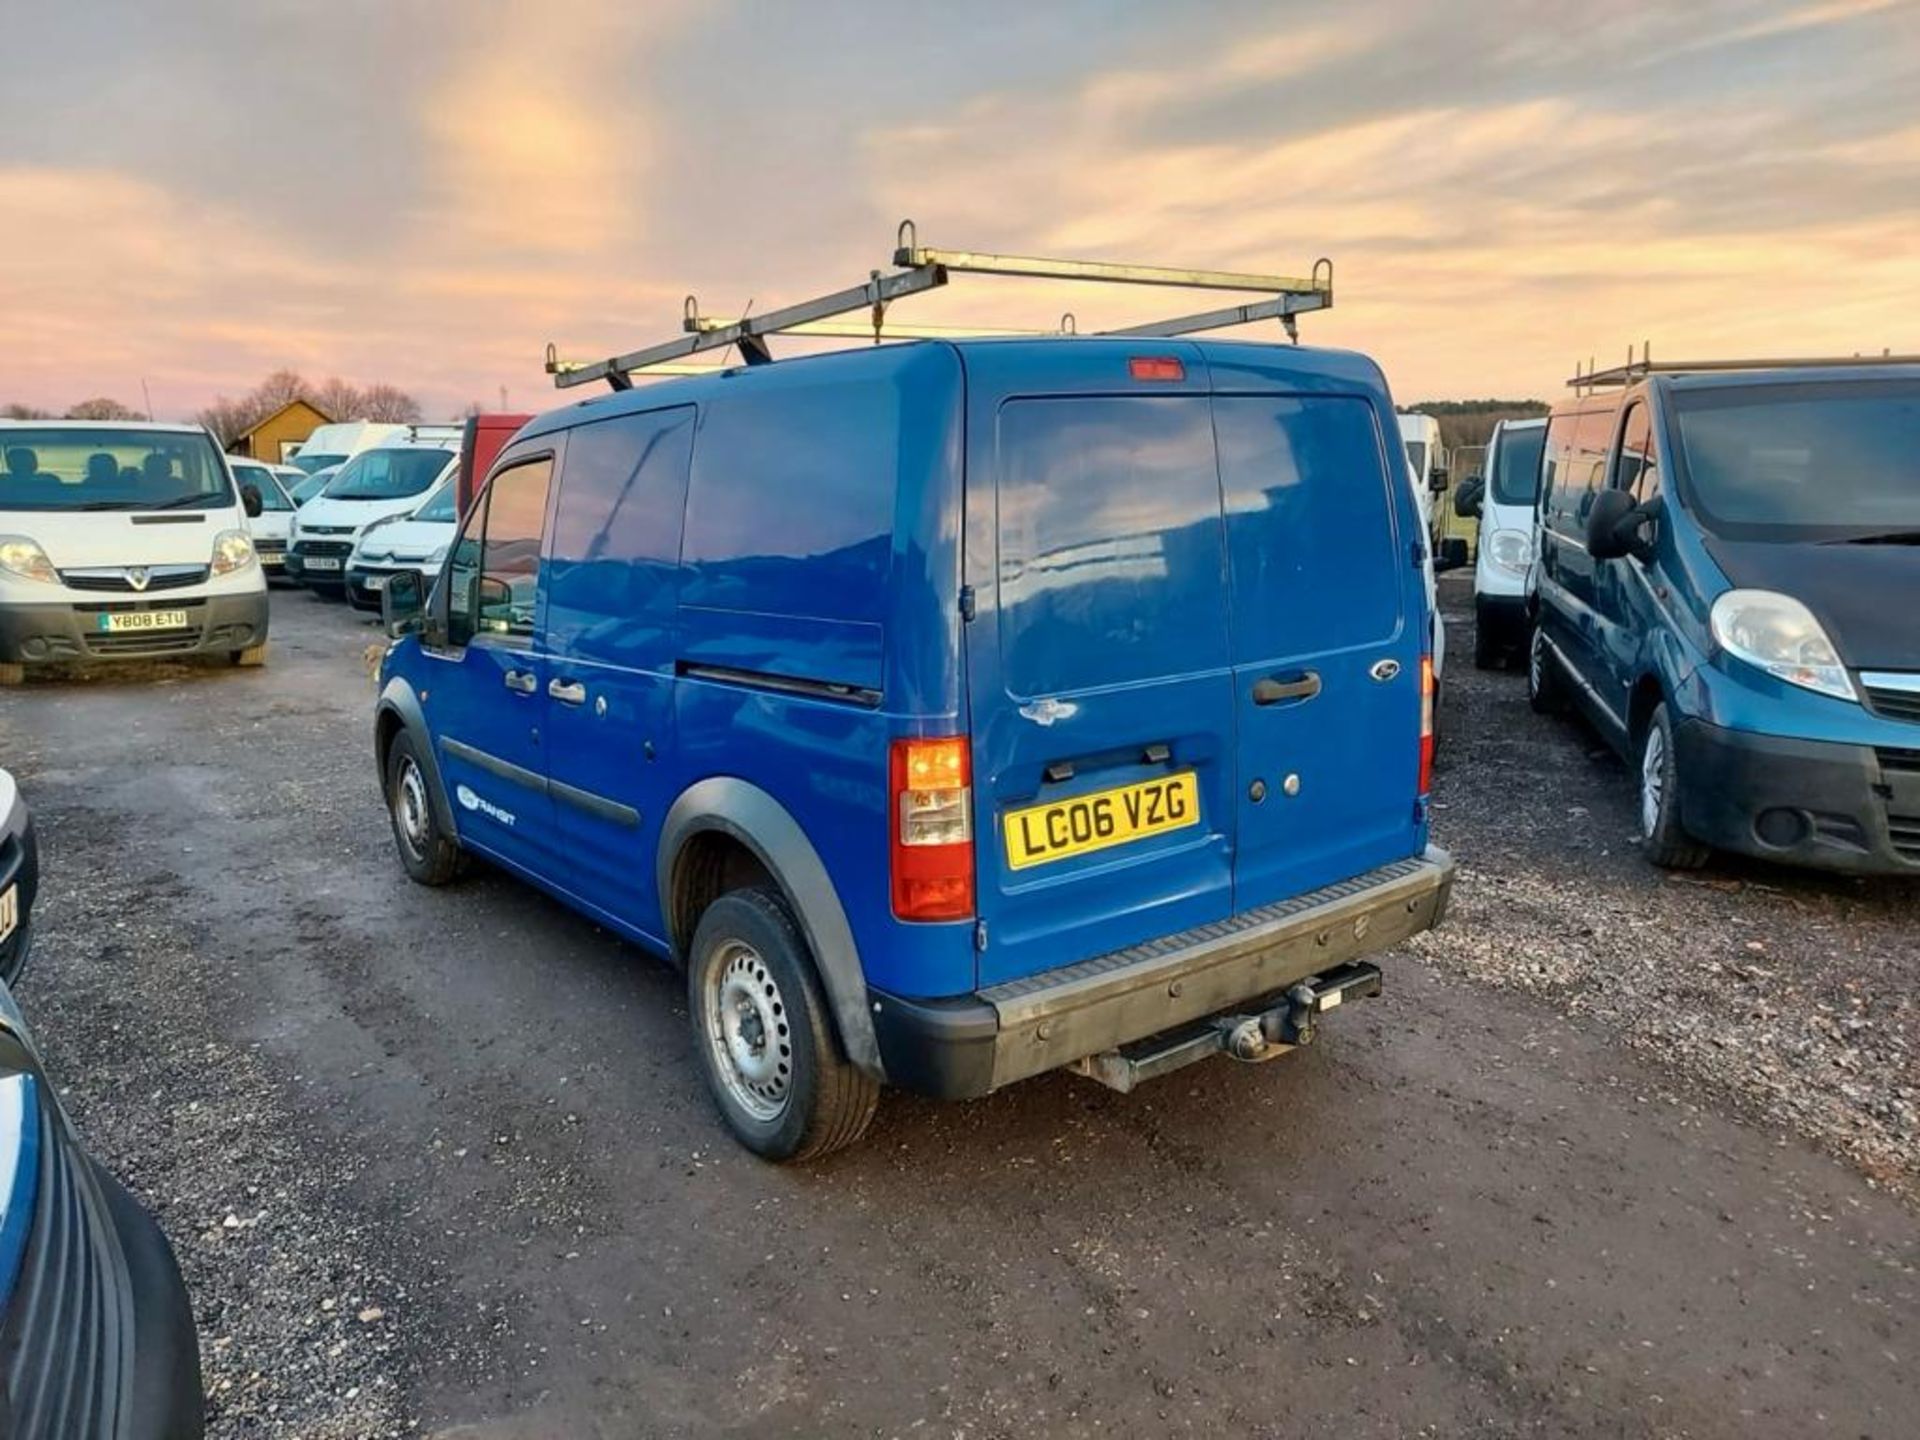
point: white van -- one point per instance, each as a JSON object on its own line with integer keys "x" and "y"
{"x": 387, "y": 480}
{"x": 122, "y": 539}
{"x": 1503, "y": 500}
{"x": 339, "y": 442}
{"x": 1427, "y": 458}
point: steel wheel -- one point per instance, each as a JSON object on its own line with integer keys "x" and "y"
{"x": 411, "y": 816}
{"x": 1653, "y": 780}
{"x": 749, "y": 1033}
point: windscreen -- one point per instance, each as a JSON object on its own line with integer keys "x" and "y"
{"x": 1417, "y": 458}
{"x": 272, "y": 497}
{"x": 1823, "y": 460}
{"x": 314, "y": 463}
{"x": 440, "y": 506}
{"x": 387, "y": 474}
{"x": 1516, "y": 466}
{"x": 74, "y": 467}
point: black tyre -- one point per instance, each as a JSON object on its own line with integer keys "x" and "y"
{"x": 252, "y": 656}
{"x": 1488, "y": 652}
{"x": 1546, "y": 686}
{"x": 429, "y": 854}
{"x": 1663, "y": 839}
{"x": 13, "y": 674}
{"x": 761, "y": 1030}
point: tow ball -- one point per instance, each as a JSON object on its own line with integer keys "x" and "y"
{"x": 1252, "y": 1039}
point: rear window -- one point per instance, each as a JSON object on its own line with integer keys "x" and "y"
{"x": 77, "y": 467}
{"x": 1309, "y": 513}
{"x": 1516, "y": 466}
{"x": 1112, "y": 563}
{"x": 790, "y": 506}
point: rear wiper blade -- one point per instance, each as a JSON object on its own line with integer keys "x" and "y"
{"x": 1883, "y": 537}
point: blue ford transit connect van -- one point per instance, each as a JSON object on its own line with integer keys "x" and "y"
{"x": 1727, "y": 557}
{"x": 953, "y": 712}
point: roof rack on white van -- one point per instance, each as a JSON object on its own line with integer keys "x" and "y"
{"x": 921, "y": 269}
{"x": 1634, "y": 370}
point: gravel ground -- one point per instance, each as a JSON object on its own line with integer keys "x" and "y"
{"x": 1792, "y": 994}
{"x": 439, "y": 1162}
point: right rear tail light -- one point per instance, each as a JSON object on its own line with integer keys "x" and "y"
{"x": 1426, "y": 725}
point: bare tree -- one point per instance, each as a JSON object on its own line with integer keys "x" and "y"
{"x": 390, "y": 403}
{"x": 25, "y": 412}
{"x": 103, "y": 407}
{"x": 337, "y": 399}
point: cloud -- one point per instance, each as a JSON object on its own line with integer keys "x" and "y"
{"x": 1484, "y": 230}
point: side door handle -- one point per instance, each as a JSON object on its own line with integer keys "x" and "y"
{"x": 521, "y": 682}
{"x": 1273, "y": 690}
{"x": 568, "y": 692}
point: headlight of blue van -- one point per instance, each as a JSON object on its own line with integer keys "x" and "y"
{"x": 1779, "y": 635}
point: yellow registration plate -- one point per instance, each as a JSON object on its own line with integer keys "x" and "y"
{"x": 117, "y": 621}
{"x": 1054, "y": 831}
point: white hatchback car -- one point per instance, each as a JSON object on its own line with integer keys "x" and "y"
{"x": 416, "y": 541}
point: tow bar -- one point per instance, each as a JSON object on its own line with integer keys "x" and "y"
{"x": 1253, "y": 1039}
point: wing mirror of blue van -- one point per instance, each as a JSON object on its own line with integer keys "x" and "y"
{"x": 251, "y": 502}
{"x": 403, "y": 603}
{"x": 1467, "y": 499}
{"x": 1617, "y": 527}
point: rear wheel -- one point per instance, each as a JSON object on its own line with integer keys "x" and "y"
{"x": 429, "y": 855}
{"x": 1664, "y": 840}
{"x": 761, "y": 1031}
{"x": 1546, "y": 691}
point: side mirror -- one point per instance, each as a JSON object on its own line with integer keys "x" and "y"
{"x": 1467, "y": 499}
{"x": 1436, "y": 480}
{"x": 1617, "y": 527}
{"x": 251, "y": 502}
{"x": 1452, "y": 554}
{"x": 403, "y": 603}
{"x": 495, "y": 594}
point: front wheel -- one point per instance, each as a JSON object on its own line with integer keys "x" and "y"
{"x": 761, "y": 1031}
{"x": 13, "y": 674}
{"x": 429, "y": 855}
{"x": 1664, "y": 840}
{"x": 252, "y": 656}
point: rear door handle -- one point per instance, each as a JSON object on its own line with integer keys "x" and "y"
{"x": 1273, "y": 690}
{"x": 568, "y": 692}
{"x": 521, "y": 682}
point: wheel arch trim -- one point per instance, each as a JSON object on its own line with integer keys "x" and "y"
{"x": 744, "y": 812}
{"x": 399, "y": 702}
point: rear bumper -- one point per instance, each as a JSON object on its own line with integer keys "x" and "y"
{"x": 66, "y": 632}
{"x": 1851, "y": 808}
{"x": 962, "y": 1046}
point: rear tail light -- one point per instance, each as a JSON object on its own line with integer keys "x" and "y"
{"x": 931, "y": 849}
{"x": 1426, "y": 725}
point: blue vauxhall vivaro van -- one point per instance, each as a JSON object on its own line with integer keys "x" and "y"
{"x": 953, "y": 712}
{"x": 1726, "y": 558}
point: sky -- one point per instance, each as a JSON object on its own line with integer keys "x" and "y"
{"x": 194, "y": 193}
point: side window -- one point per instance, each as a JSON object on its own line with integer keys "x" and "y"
{"x": 510, "y": 551}
{"x": 494, "y": 571}
{"x": 1556, "y": 471}
{"x": 1637, "y": 468}
{"x": 616, "y": 534}
{"x": 1589, "y": 466}
{"x": 463, "y": 568}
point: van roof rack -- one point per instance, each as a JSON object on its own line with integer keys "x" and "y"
{"x": 919, "y": 269}
{"x": 1591, "y": 379}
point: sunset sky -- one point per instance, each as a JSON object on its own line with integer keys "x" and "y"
{"x": 426, "y": 193}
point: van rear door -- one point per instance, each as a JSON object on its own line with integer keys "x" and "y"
{"x": 1327, "y": 625}
{"x": 1100, "y": 681}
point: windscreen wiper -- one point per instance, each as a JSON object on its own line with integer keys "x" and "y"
{"x": 1882, "y": 537}
{"x": 180, "y": 502}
